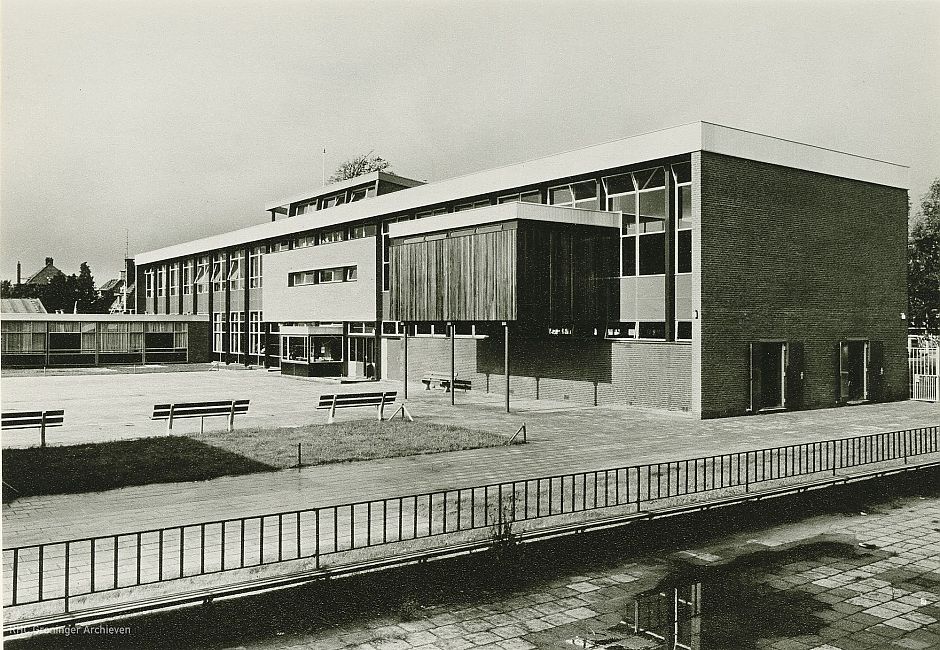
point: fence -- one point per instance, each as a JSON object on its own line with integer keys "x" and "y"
{"x": 69, "y": 569}
{"x": 923, "y": 357}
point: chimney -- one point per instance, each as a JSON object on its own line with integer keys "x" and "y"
{"x": 19, "y": 274}
{"x": 48, "y": 261}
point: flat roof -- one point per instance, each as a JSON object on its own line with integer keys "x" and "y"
{"x": 678, "y": 140}
{"x": 514, "y": 210}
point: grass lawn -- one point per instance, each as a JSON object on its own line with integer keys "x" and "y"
{"x": 108, "y": 465}
{"x": 344, "y": 441}
{"x": 199, "y": 457}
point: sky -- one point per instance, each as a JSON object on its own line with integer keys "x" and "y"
{"x": 161, "y": 121}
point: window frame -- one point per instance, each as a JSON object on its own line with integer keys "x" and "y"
{"x": 677, "y": 194}
{"x": 187, "y": 276}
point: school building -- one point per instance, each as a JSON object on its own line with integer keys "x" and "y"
{"x": 701, "y": 268}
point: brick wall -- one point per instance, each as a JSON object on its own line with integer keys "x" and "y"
{"x": 649, "y": 374}
{"x": 800, "y": 256}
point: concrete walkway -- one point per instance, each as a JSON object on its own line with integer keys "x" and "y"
{"x": 563, "y": 438}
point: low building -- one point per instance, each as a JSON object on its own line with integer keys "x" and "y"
{"x": 700, "y": 268}
{"x": 21, "y": 306}
{"x": 44, "y": 275}
{"x": 31, "y": 340}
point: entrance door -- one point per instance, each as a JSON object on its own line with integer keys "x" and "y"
{"x": 361, "y": 357}
{"x": 768, "y": 376}
{"x": 853, "y": 371}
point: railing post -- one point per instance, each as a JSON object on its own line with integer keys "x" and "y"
{"x": 747, "y": 471}
{"x": 67, "y": 553}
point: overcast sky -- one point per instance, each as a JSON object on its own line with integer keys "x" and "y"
{"x": 176, "y": 120}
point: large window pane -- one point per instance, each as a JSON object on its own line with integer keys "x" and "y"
{"x": 653, "y": 211}
{"x": 653, "y": 254}
{"x": 652, "y": 330}
{"x": 560, "y": 195}
{"x": 684, "y": 252}
{"x": 628, "y": 256}
{"x": 619, "y": 184}
{"x": 684, "y": 216}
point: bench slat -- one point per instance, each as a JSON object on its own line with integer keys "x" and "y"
{"x": 32, "y": 419}
{"x": 350, "y": 400}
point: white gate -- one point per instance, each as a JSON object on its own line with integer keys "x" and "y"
{"x": 923, "y": 357}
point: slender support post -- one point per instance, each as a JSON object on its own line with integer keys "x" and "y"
{"x": 452, "y": 360}
{"x": 169, "y": 420}
{"x": 506, "y": 360}
{"x": 405, "y": 339}
{"x": 42, "y": 430}
{"x": 329, "y": 419}
{"x": 299, "y": 463}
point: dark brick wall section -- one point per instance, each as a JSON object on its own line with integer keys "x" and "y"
{"x": 198, "y": 337}
{"x": 801, "y": 256}
{"x": 648, "y": 374}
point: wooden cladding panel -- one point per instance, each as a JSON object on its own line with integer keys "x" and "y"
{"x": 465, "y": 278}
{"x": 566, "y": 274}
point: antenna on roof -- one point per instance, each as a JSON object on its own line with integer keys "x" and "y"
{"x": 324, "y": 167}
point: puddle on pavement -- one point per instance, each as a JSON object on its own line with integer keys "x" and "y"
{"x": 727, "y": 606}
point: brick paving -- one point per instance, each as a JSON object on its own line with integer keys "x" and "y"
{"x": 885, "y": 599}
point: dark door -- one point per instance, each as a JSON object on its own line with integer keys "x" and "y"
{"x": 767, "y": 375}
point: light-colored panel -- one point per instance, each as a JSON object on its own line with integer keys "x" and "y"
{"x": 340, "y": 301}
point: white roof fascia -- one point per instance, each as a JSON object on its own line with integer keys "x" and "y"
{"x": 789, "y": 153}
{"x": 627, "y": 151}
{"x": 696, "y": 136}
{"x": 504, "y": 212}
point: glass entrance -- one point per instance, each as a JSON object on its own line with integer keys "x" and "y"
{"x": 361, "y": 357}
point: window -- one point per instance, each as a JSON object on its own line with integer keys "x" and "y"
{"x": 235, "y": 332}
{"x": 202, "y": 274}
{"x": 305, "y": 240}
{"x": 148, "y": 277}
{"x": 471, "y": 205}
{"x": 431, "y": 213}
{"x": 254, "y": 267}
{"x": 357, "y": 195}
{"x": 392, "y": 328}
{"x": 294, "y": 348}
{"x": 217, "y": 329}
{"x": 625, "y": 330}
{"x": 386, "y": 245}
{"x": 330, "y": 275}
{"x": 330, "y": 236}
{"x": 322, "y": 276}
{"x": 643, "y": 330}
{"x": 161, "y": 281}
{"x": 358, "y": 232}
{"x": 575, "y": 195}
{"x": 187, "y": 277}
{"x": 326, "y": 349}
{"x": 682, "y": 174}
{"x": 655, "y": 331}
{"x": 362, "y": 328}
{"x": 174, "y": 278}
{"x": 438, "y": 330}
{"x": 533, "y": 196}
{"x": 254, "y": 332}
{"x": 283, "y": 245}
{"x": 641, "y": 198}
{"x": 218, "y": 262}
{"x": 684, "y": 330}
{"x": 304, "y": 208}
{"x": 236, "y": 264}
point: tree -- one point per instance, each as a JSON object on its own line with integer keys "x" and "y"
{"x": 85, "y": 294}
{"x": 358, "y": 166}
{"x": 923, "y": 262}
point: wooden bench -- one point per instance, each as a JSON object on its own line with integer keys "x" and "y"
{"x": 436, "y": 379}
{"x": 333, "y": 401}
{"x": 33, "y": 420}
{"x": 462, "y": 384}
{"x": 201, "y": 410}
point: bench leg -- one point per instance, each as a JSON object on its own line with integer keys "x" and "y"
{"x": 42, "y": 431}
{"x": 169, "y": 421}
{"x": 329, "y": 418}
{"x": 231, "y": 417}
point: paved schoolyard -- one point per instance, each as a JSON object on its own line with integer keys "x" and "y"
{"x": 563, "y": 438}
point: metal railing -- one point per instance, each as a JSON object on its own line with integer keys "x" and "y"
{"x": 68, "y": 569}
